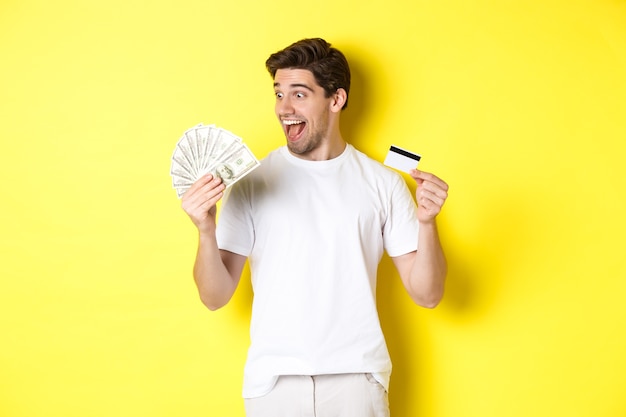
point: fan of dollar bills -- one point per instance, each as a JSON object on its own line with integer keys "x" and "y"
{"x": 209, "y": 149}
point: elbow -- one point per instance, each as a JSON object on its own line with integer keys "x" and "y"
{"x": 430, "y": 303}
{"x": 428, "y": 299}
{"x": 213, "y": 307}
{"x": 211, "y": 303}
{"x": 431, "y": 295}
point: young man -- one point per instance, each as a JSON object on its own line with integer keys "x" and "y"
{"x": 314, "y": 220}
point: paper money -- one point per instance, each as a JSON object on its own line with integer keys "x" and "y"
{"x": 235, "y": 166}
{"x": 209, "y": 149}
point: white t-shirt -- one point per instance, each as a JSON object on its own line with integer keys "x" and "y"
{"x": 314, "y": 233}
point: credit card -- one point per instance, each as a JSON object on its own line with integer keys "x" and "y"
{"x": 401, "y": 159}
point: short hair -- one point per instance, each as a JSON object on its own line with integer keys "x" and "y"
{"x": 328, "y": 65}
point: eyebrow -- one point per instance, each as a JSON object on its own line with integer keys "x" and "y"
{"x": 296, "y": 85}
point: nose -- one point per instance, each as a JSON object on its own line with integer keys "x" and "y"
{"x": 284, "y": 106}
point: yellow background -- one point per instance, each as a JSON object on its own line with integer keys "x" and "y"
{"x": 519, "y": 106}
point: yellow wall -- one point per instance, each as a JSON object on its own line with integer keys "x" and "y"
{"x": 520, "y": 106}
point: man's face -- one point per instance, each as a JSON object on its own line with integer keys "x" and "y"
{"x": 302, "y": 108}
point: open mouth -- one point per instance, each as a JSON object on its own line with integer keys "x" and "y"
{"x": 293, "y": 129}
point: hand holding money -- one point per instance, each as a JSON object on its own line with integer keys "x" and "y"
{"x": 204, "y": 150}
{"x": 200, "y": 199}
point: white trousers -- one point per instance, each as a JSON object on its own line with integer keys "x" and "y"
{"x": 343, "y": 395}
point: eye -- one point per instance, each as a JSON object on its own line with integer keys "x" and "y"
{"x": 279, "y": 95}
{"x": 299, "y": 95}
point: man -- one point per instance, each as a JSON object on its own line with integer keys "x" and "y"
{"x": 314, "y": 220}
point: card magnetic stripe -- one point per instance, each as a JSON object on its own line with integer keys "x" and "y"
{"x": 405, "y": 153}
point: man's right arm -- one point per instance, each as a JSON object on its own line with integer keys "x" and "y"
{"x": 216, "y": 272}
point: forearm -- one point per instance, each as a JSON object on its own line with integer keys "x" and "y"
{"x": 215, "y": 283}
{"x": 428, "y": 273}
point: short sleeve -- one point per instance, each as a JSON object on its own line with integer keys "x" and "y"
{"x": 401, "y": 229}
{"x": 235, "y": 229}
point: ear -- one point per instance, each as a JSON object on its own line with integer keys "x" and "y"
{"x": 338, "y": 100}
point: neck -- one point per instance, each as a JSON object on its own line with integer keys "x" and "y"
{"x": 328, "y": 150}
{"x": 330, "y": 147}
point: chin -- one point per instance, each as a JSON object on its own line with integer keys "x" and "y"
{"x": 299, "y": 148}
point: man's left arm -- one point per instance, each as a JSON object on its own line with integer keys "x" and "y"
{"x": 423, "y": 272}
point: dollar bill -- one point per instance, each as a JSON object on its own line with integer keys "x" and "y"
{"x": 224, "y": 143}
{"x": 205, "y": 138}
{"x": 183, "y": 156}
{"x": 209, "y": 149}
{"x": 234, "y": 166}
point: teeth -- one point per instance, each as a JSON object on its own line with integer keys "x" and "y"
{"x": 292, "y": 122}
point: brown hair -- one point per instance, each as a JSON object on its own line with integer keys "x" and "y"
{"x": 328, "y": 65}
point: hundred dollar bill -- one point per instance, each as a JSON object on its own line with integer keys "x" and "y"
{"x": 191, "y": 143}
{"x": 181, "y": 183}
{"x": 180, "y": 164}
{"x": 205, "y": 143}
{"x": 183, "y": 156}
{"x": 207, "y": 148}
{"x": 180, "y": 191}
{"x": 224, "y": 143}
{"x": 181, "y": 175}
{"x": 234, "y": 166}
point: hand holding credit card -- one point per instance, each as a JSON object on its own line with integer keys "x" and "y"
{"x": 401, "y": 159}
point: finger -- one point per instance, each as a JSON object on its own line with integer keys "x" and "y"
{"x": 214, "y": 195}
{"x": 203, "y": 195}
{"x": 423, "y": 176}
{"x": 200, "y": 213}
{"x": 203, "y": 200}
{"x": 425, "y": 197}
{"x": 202, "y": 186}
{"x": 433, "y": 188}
{"x": 428, "y": 209}
{"x": 200, "y": 182}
